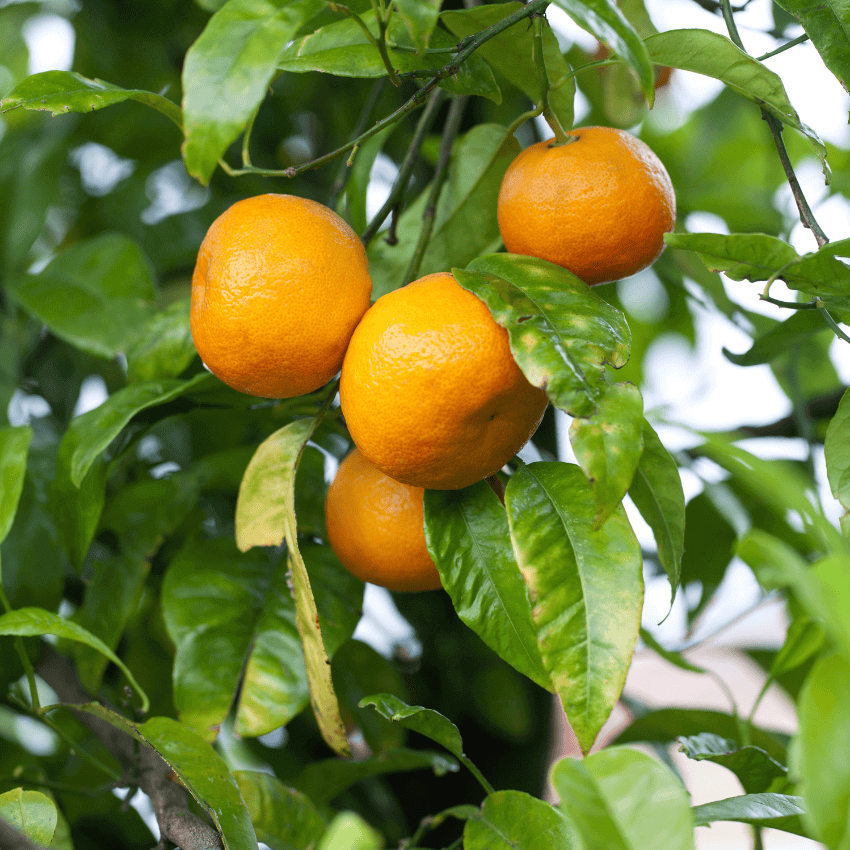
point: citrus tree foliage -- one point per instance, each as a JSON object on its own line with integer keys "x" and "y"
{"x": 165, "y": 570}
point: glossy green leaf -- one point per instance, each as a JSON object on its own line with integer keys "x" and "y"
{"x": 514, "y": 820}
{"x": 797, "y": 329}
{"x": 827, "y": 24}
{"x": 603, "y": 19}
{"x": 666, "y": 724}
{"x": 468, "y": 538}
{"x": 656, "y": 490}
{"x": 770, "y": 811}
{"x": 163, "y": 347}
{"x": 756, "y": 257}
{"x": 94, "y": 295}
{"x": 674, "y": 658}
{"x": 265, "y": 516}
{"x": 30, "y": 812}
{"x": 562, "y": 334}
{"x": 283, "y": 818}
{"x": 14, "y": 445}
{"x": 755, "y": 769}
{"x": 420, "y": 18}
{"x": 714, "y": 55}
{"x": 61, "y": 92}
{"x": 343, "y": 49}
{"x": 89, "y": 435}
{"x": 464, "y": 225}
{"x": 836, "y": 449}
{"x": 586, "y": 588}
{"x": 622, "y": 799}
{"x": 199, "y": 768}
{"x": 824, "y": 738}
{"x": 425, "y": 721}
{"x": 323, "y": 780}
{"x": 220, "y": 608}
{"x": 510, "y": 54}
{"x": 608, "y": 445}
{"x": 227, "y": 71}
{"x": 33, "y": 622}
{"x": 777, "y": 484}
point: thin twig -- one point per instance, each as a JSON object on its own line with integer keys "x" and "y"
{"x": 827, "y": 317}
{"x": 404, "y": 172}
{"x": 561, "y": 137}
{"x": 787, "y": 46}
{"x": 450, "y": 132}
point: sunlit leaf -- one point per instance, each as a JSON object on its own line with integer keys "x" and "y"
{"x": 773, "y": 811}
{"x": 30, "y": 812}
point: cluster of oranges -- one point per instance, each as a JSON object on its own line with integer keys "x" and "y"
{"x": 429, "y": 389}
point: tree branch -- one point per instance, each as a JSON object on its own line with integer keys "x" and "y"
{"x": 144, "y": 768}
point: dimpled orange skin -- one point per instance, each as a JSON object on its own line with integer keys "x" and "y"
{"x": 599, "y": 206}
{"x": 279, "y": 286}
{"x": 375, "y": 527}
{"x": 430, "y": 391}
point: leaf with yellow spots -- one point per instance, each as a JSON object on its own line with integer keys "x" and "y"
{"x": 562, "y": 334}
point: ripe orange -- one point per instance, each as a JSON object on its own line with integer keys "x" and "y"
{"x": 599, "y": 206}
{"x": 430, "y": 391}
{"x": 279, "y": 286}
{"x": 375, "y": 527}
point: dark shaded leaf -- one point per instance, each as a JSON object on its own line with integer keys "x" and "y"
{"x": 755, "y": 769}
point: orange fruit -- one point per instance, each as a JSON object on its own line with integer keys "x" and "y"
{"x": 375, "y": 527}
{"x": 599, "y": 206}
{"x": 430, "y": 391}
{"x": 279, "y": 286}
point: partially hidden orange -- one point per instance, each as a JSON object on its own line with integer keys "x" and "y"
{"x": 375, "y": 527}
{"x": 430, "y": 390}
{"x": 598, "y": 206}
{"x": 279, "y": 286}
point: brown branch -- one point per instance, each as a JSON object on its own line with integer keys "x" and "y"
{"x": 11, "y": 839}
{"x": 143, "y": 767}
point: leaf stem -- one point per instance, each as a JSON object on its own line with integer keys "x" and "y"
{"x": 246, "y": 138}
{"x": 476, "y": 773}
{"x": 783, "y": 47}
{"x": 404, "y": 172}
{"x": 21, "y": 651}
{"x": 827, "y": 317}
{"x": 561, "y": 137}
{"x": 450, "y": 132}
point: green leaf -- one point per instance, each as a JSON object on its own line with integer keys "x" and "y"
{"x": 827, "y": 24}
{"x": 562, "y": 334}
{"x": 514, "y": 820}
{"x": 33, "y": 622}
{"x": 586, "y": 588}
{"x": 674, "y": 658}
{"x": 89, "y": 435}
{"x": 323, "y": 780}
{"x": 603, "y": 19}
{"x": 622, "y": 799}
{"x": 163, "y": 347}
{"x": 265, "y": 515}
{"x": 350, "y": 831}
{"x": 420, "y": 18}
{"x": 94, "y": 295}
{"x": 343, "y": 49}
{"x": 608, "y": 446}
{"x": 30, "y": 812}
{"x": 714, "y": 55}
{"x": 228, "y": 69}
{"x": 769, "y": 811}
{"x": 283, "y": 817}
{"x": 14, "y": 445}
{"x": 795, "y": 330}
{"x": 61, "y": 92}
{"x": 464, "y": 226}
{"x": 755, "y": 769}
{"x": 777, "y": 484}
{"x": 824, "y": 738}
{"x": 667, "y": 724}
{"x": 199, "y": 768}
{"x": 510, "y": 55}
{"x": 805, "y": 639}
{"x": 425, "y": 721}
{"x": 656, "y": 490}
{"x": 836, "y": 449}
{"x": 468, "y": 538}
{"x": 756, "y": 257}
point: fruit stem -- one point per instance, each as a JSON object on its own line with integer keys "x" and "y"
{"x": 561, "y": 136}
